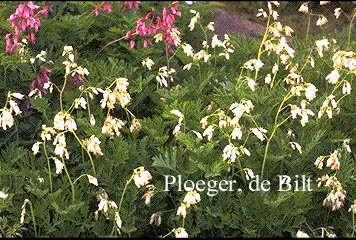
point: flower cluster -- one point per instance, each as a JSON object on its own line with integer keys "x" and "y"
{"x": 105, "y": 205}
{"x": 77, "y": 73}
{"x": 322, "y": 20}
{"x": 92, "y": 145}
{"x": 302, "y": 111}
{"x": 226, "y": 47}
{"x": 25, "y": 20}
{"x": 160, "y": 27}
{"x": 141, "y": 177}
{"x": 190, "y": 198}
{"x": 6, "y": 118}
{"x": 41, "y": 81}
{"x": 106, "y": 7}
{"x": 131, "y": 4}
{"x": 117, "y": 96}
{"x": 335, "y": 198}
{"x": 164, "y": 74}
{"x": 180, "y": 120}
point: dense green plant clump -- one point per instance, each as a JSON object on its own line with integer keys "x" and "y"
{"x": 135, "y": 119}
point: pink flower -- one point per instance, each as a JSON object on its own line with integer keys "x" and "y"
{"x": 41, "y": 78}
{"x": 128, "y": 35}
{"x": 132, "y": 43}
{"x": 105, "y": 5}
{"x": 32, "y": 6}
{"x": 131, "y": 4}
{"x": 78, "y": 80}
{"x": 96, "y": 10}
{"x": 148, "y": 27}
{"x": 25, "y": 20}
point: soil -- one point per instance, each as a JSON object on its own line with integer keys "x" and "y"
{"x": 235, "y": 25}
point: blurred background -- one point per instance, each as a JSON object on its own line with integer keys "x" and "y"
{"x": 290, "y": 16}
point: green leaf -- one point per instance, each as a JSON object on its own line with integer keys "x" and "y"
{"x": 40, "y": 104}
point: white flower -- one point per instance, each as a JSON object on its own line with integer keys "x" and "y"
{"x": 333, "y": 77}
{"x": 268, "y": 79}
{"x": 92, "y": 180}
{"x": 254, "y": 64}
{"x": 211, "y": 26}
{"x": 310, "y": 91}
{"x": 177, "y": 113}
{"x": 18, "y": 95}
{"x": 60, "y": 143}
{"x": 337, "y": 12}
{"x": 333, "y": 161}
{"x": 259, "y": 132}
{"x": 36, "y": 148}
{"x": 321, "y": 20}
{"x": 118, "y": 220}
{"x": 346, "y": 145}
{"x": 67, "y": 49}
{"x": 215, "y": 42}
{"x": 198, "y": 134}
{"x": 346, "y": 88}
{"x": 188, "y": 49}
{"x": 295, "y": 146}
{"x": 6, "y": 119}
{"x": 193, "y": 20}
{"x": 92, "y": 119}
{"x": 230, "y": 151}
{"x": 148, "y": 63}
{"x": 180, "y": 233}
{"x": 295, "y": 110}
{"x": 59, "y": 166}
{"x": 187, "y": 66}
{"x": 321, "y": 45}
{"x": 208, "y": 132}
{"x": 304, "y": 8}
{"x": 141, "y": 177}
{"x": 236, "y": 133}
{"x": 3, "y": 195}
{"x": 92, "y": 145}
{"x": 301, "y": 234}
{"x": 249, "y": 174}
{"x": 182, "y": 210}
{"x": 155, "y": 219}
{"x": 191, "y": 198}
{"x": 251, "y": 84}
{"x": 275, "y": 68}
{"x": 80, "y": 101}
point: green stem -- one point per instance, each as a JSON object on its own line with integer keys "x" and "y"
{"x": 89, "y": 155}
{"x": 353, "y": 225}
{"x": 79, "y": 178}
{"x": 33, "y": 218}
{"x": 49, "y": 166}
{"x": 262, "y": 43}
{"x": 70, "y": 180}
{"x": 168, "y": 234}
{"x": 308, "y": 28}
{"x": 123, "y": 192}
{"x": 350, "y": 27}
{"x": 61, "y": 92}
{"x": 275, "y": 126}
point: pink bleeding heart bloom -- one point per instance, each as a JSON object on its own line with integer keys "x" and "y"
{"x": 40, "y": 80}
{"x": 26, "y": 21}
{"x": 147, "y": 27}
{"x": 131, "y": 5}
{"x": 105, "y": 5}
{"x": 78, "y": 79}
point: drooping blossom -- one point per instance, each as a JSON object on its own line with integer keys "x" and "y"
{"x": 25, "y": 21}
